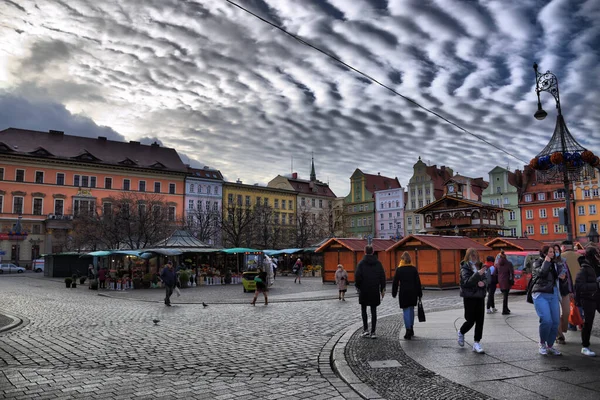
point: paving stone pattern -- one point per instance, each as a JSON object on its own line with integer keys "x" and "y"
{"x": 77, "y": 344}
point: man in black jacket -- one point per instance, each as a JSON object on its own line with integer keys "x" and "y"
{"x": 370, "y": 281}
{"x": 169, "y": 278}
{"x": 587, "y": 289}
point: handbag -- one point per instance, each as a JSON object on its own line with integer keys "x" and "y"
{"x": 420, "y": 311}
{"x": 575, "y": 315}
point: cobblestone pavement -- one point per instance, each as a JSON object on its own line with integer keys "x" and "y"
{"x": 80, "y": 345}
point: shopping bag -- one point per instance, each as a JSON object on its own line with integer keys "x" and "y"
{"x": 177, "y": 291}
{"x": 575, "y": 315}
{"x": 420, "y": 311}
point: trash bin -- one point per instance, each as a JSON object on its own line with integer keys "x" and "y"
{"x": 248, "y": 281}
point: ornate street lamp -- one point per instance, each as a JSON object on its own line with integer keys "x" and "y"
{"x": 17, "y": 234}
{"x": 593, "y": 235}
{"x": 563, "y": 160}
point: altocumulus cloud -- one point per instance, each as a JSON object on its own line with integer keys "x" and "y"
{"x": 228, "y": 90}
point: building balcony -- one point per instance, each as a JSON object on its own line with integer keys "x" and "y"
{"x": 60, "y": 217}
{"x": 440, "y": 223}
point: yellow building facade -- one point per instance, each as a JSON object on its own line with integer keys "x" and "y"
{"x": 587, "y": 207}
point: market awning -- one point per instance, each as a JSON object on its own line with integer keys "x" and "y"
{"x": 237, "y": 250}
{"x": 286, "y": 251}
{"x": 104, "y": 253}
{"x": 149, "y": 253}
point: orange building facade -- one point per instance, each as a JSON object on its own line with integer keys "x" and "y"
{"x": 48, "y": 178}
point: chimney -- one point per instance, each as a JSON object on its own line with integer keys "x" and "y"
{"x": 102, "y": 138}
{"x": 379, "y": 174}
{"x": 133, "y": 142}
{"x": 239, "y": 181}
{"x": 155, "y": 144}
{"x": 294, "y": 175}
{"x": 58, "y": 133}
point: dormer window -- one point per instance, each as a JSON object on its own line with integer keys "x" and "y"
{"x": 127, "y": 161}
{"x": 87, "y": 156}
{"x": 158, "y": 165}
{"x": 40, "y": 151}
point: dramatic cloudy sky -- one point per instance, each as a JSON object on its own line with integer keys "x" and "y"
{"x": 229, "y": 91}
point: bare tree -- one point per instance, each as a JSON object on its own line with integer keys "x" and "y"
{"x": 236, "y": 225}
{"x": 204, "y": 224}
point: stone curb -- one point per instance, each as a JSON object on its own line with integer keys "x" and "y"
{"x": 13, "y": 325}
{"x": 218, "y": 302}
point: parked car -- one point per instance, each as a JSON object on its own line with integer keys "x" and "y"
{"x": 38, "y": 265}
{"x": 522, "y": 262}
{"x": 8, "y": 268}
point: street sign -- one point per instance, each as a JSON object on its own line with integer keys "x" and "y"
{"x": 2, "y": 253}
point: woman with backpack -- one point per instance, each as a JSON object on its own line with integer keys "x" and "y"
{"x": 546, "y": 298}
{"x": 473, "y": 279}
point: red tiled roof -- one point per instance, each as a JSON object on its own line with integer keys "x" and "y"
{"x": 98, "y": 151}
{"x": 374, "y": 183}
{"x": 443, "y": 242}
{"x": 438, "y": 176}
{"x": 356, "y": 244}
{"x": 521, "y": 243}
{"x": 306, "y": 187}
{"x": 207, "y": 173}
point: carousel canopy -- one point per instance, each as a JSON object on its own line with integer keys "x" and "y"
{"x": 236, "y": 250}
{"x": 180, "y": 238}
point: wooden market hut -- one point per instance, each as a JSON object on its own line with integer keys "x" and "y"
{"x": 436, "y": 257}
{"x": 349, "y": 252}
{"x": 512, "y": 244}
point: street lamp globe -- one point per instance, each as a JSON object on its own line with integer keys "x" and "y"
{"x": 540, "y": 114}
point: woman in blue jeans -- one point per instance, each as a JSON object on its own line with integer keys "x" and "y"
{"x": 546, "y": 298}
{"x": 408, "y": 282}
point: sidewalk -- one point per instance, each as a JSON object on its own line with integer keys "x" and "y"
{"x": 432, "y": 365}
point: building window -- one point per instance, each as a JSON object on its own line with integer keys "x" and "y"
{"x": 417, "y": 221}
{"x": 352, "y": 224}
{"x": 239, "y": 199}
{"x": 389, "y": 215}
{"x": 207, "y": 205}
{"x": 266, "y": 202}
{"x": 258, "y": 200}
{"x": 312, "y": 203}
{"x": 360, "y": 208}
{"x": 37, "y": 206}
{"x": 172, "y": 188}
{"x": 171, "y": 214}
{"x": 216, "y": 208}
{"x": 582, "y": 228}
{"x": 36, "y": 230}
{"x": 420, "y": 203}
{"x": 320, "y": 203}
{"x": 544, "y": 229}
{"x": 493, "y": 202}
{"x": 1, "y": 202}
{"x": 498, "y": 190}
{"x": 420, "y": 192}
{"x": 543, "y": 213}
{"x": 276, "y": 203}
{"x": 382, "y": 226}
{"x": 199, "y": 188}
{"x": 586, "y": 193}
{"x": 190, "y": 204}
{"x": 208, "y": 189}
{"x": 594, "y": 225}
{"x": 230, "y": 198}
{"x": 17, "y": 205}
{"x": 216, "y": 190}
{"x": 559, "y": 195}
{"x": 156, "y": 187}
{"x": 283, "y": 204}
{"x": 530, "y": 230}
{"x": 555, "y": 211}
{"x": 142, "y": 186}
{"x": 92, "y": 181}
{"x": 59, "y": 206}
{"x": 283, "y": 220}
{"x": 303, "y": 202}
{"x": 248, "y": 201}
{"x": 529, "y": 214}
{"x": 107, "y": 209}
{"x": 364, "y": 222}
{"x": 409, "y": 221}
{"x": 506, "y": 201}
{"x": 126, "y": 184}
{"x": 199, "y": 205}
{"x": 1, "y": 174}
{"x": 85, "y": 181}
{"x": 107, "y": 183}
{"x": 413, "y": 204}
{"x": 191, "y": 188}
{"x": 512, "y": 216}
{"x": 595, "y": 192}
{"x": 291, "y": 205}
{"x": 391, "y": 225}
{"x": 83, "y": 206}
{"x": 76, "y": 180}
{"x": 141, "y": 209}
{"x": 557, "y": 228}
{"x": 541, "y": 196}
{"x": 581, "y": 210}
{"x": 412, "y": 193}
{"x": 60, "y": 178}
{"x": 39, "y": 177}
{"x": 592, "y": 208}
{"x": 20, "y": 175}
{"x": 528, "y": 197}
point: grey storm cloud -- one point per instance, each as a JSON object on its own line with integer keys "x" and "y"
{"x": 229, "y": 91}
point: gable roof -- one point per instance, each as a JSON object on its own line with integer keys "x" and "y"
{"x": 357, "y": 244}
{"x": 522, "y": 244}
{"x": 205, "y": 173}
{"x": 460, "y": 200}
{"x": 442, "y": 242}
{"x": 306, "y": 187}
{"x": 98, "y": 151}
{"x": 377, "y": 182}
{"x": 179, "y": 239}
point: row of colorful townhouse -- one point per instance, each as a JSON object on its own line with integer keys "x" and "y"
{"x": 48, "y": 179}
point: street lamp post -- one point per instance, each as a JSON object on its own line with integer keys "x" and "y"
{"x": 563, "y": 160}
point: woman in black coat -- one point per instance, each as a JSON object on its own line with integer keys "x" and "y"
{"x": 408, "y": 282}
{"x": 369, "y": 279}
{"x": 473, "y": 281}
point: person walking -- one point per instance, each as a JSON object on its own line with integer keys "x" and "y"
{"x": 565, "y": 288}
{"x": 369, "y": 280}
{"x": 572, "y": 259}
{"x": 169, "y": 277}
{"x": 102, "y": 278}
{"x": 506, "y": 279}
{"x": 298, "y": 267}
{"x": 492, "y": 284}
{"x": 341, "y": 280}
{"x": 472, "y": 289}
{"x": 587, "y": 287}
{"x": 546, "y": 298}
{"x": 407, "y": 285}
{"x": 261, "y": 286}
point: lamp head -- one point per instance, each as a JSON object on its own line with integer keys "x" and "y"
{"x": 540, "y": 114}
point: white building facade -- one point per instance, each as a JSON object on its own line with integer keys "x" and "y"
{"x": 389, "y": 213}
{"x": 203, "y": 204}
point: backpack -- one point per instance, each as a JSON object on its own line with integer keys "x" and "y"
{"x": 530, "y": 285}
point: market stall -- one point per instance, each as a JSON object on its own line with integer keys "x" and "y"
{"x": 437, "y": 258}
{"x": 349, "y": 252}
